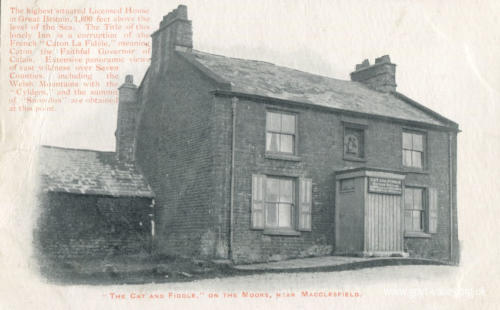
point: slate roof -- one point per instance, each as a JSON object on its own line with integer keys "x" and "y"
{"x": 89, "y": 172}
{"x": 269, "y": 80}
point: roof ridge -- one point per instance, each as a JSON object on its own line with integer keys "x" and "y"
{"x": 266, "y": 79}
{"x": 237, "y": 58}
{"x": 423, "y": 108}
{"x": 276, "y": 65}
{"x": 73, "y": 149}
{"x": 89, "y": 172}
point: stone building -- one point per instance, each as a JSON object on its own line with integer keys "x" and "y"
{"x": 250, "y": 161}
{"x": 91, "y": 207}
{"x": 253, "y": 162}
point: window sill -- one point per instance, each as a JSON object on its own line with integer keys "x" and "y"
{"x": 281, "y": 232}
{"x": 361, "y": 160}
{"x": 415, "y": 170}
{"x": 417, "y": 234}
{"x": 289, "y": 157}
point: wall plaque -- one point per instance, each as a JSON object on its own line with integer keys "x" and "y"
{"x": 384, "y": 186}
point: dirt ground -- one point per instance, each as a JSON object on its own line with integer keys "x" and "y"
{"x": 401, "y": 287}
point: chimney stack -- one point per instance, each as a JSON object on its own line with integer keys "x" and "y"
{"x": 380, "y": 76}
{"x": 128, "y": 113}
{"x": 175, "y": 31}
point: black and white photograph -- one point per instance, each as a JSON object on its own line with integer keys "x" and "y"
{"x": 252, "y": 154}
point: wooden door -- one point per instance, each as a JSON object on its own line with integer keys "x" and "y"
{"x": 383, "y": 226}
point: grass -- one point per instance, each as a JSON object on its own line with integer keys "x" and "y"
{"x": 132, "y": 270}
{"x": 141, "y": 269}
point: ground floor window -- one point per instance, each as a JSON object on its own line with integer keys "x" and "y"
{"x": 281, "y": 203}
{"x": 414, "y": 209}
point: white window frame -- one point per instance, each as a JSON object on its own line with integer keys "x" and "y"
{"x": 292, "y": 204}
{"x": 423, "y": 211}
{"x": 301, "y": 205}
{"x": 280, "y": 132}
{"x": 411, "y": 149}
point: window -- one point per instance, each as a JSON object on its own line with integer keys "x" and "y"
{"x": 280, "y": 132}
{"x": 413, "y": 149}
{"x": 279, "y": 202}
{"x": 354, "y": 147}
{"x": 274, "y": 204}
{"x": 414, "y": 209}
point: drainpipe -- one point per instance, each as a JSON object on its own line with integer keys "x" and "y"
{"x": 153, "y": 228}
{"x": 234, "y": 101}
{"x": 450, "y": 159}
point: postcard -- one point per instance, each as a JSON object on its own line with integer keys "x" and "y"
{"x": 251, "y": 154}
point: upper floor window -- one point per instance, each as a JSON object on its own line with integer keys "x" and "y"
{"x": 280, "y": 132}
{"x": 413, "y": 149}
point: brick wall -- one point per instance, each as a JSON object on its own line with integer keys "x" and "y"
{"x": 86, "y": 227}
{"x": 184, "y": 149}
{"x": 174, "y": 150}
{"x": 455, "y": 237}
{"x": 320, "y": 148}
{"x": 438, "y": 177}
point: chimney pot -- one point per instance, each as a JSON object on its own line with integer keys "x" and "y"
{"x": 381, "y": 76}
{"x": 175, "y": 30}
{"x": 182, "y": 11}
{"x": 364, "y": 64}
{"x": 383, "y": 59}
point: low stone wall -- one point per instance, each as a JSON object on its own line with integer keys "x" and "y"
{"x": 80, "y": 227}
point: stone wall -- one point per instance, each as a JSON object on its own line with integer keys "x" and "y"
{"x": 84, "y": 227}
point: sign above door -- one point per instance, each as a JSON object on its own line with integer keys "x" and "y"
{"x": 384, "y": 186}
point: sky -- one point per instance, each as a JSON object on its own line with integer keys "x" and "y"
{"x": 446, "y": 54}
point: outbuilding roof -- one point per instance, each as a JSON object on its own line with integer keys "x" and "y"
{"x": 89, "y": 172}
{"x": 269, "y": 80}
